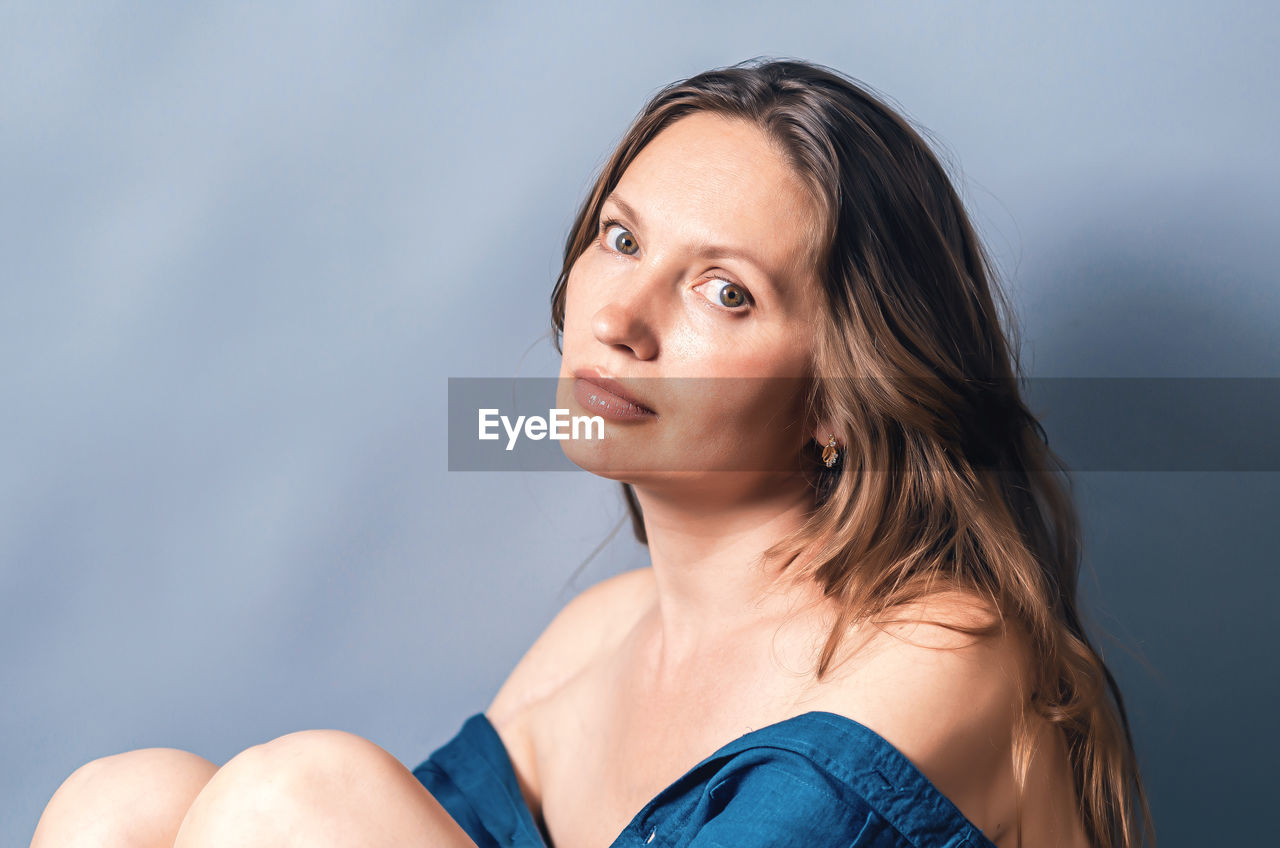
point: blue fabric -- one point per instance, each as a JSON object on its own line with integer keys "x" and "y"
{"x": 818, "y": 779}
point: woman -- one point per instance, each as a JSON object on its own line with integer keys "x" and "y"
{"x": 859, "y": 623}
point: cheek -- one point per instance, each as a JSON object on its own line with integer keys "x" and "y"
{"x": 751, "y": 355}
{"x": 589, "y": 281}
{"x": 736, "y": 432}
{"x": 574, "y": 305}
{"x": 758, "y": 400}
{"x": 735, "y": 412}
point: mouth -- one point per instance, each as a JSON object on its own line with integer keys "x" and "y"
{"x": 608, "y": 396}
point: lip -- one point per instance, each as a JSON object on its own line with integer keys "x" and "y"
{"x": 607, "y": 396}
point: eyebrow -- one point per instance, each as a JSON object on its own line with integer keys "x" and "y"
{"x": 703, "y": 248}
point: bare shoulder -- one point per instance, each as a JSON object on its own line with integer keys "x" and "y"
{"x": 949, "y": 701}
{"x": 930, "y": 685}
{"x": 592, "y": 620}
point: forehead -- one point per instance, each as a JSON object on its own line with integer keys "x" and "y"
{"x": 707, "y": 178}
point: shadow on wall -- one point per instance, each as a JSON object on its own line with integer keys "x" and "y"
{"x": 1180, "y": 577}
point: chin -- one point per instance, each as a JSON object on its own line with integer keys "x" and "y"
{"x": 611, "y": 458}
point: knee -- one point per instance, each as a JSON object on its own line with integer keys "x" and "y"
{"x": 133, "y": 798}
{"x": 308, "y": 764}
{"x": 291, "y": 788}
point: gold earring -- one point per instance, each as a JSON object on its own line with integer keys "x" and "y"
{"x": 829, "y": 453}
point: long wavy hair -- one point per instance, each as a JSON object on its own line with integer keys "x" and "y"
{"x": 947, "y": 479}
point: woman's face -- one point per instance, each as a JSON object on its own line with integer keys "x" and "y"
{"x": 699, "y": 296}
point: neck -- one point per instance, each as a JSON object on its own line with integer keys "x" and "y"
{"x": 714, "y": 596}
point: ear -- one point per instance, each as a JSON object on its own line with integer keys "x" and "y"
{"x": 823, "y": 432}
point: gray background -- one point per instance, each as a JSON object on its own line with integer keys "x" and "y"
{"x": 243, "y": 248}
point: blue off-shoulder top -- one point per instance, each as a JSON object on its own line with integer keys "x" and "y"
{"x": 815, "y": 780}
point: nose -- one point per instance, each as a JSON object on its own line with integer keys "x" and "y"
{"x": 628, "y": 322}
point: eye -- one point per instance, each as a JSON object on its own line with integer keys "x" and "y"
{"x": 726, "y": 293}
{"x": 625, "y": 244}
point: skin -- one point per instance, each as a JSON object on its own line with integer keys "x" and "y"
{"x": 311, "y": 788}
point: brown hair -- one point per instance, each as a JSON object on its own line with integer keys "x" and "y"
{"x": 976, "y": 500}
